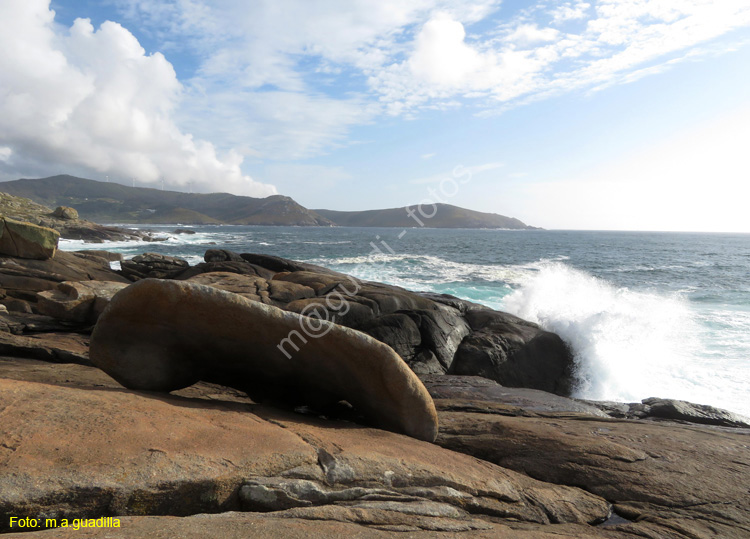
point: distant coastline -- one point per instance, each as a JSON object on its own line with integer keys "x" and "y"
{"x": 105, "y": 202}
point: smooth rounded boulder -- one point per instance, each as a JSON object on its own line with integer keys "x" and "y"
{"x": 166, "y": 335}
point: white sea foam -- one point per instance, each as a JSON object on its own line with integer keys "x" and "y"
{"x": 80, "y": 245}
{"x": 409, "y": 269}
{"x": 628, "y": 345}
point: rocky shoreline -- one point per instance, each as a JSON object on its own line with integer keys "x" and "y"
{"x": 65, "y": 220}
{"x": 288, "y": 415}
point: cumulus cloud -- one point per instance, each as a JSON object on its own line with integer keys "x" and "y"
{"x": 91, "y": 100}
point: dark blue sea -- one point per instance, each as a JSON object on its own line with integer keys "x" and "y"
{"x": 646, "y": 313}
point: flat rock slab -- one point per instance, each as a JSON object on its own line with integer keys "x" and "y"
{"x": 471, "y": 393}
{"x": 165, "y": 335}
{"x": 57, "y": 347}
{"x": 77, "y": 453}
{"x": 672, "y": 480}
{"x": 86, "y": 453}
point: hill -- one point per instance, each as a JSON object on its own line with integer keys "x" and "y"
{"x": 113, "y": 202}
{"x": 446, "y": 216}
{"x": 116, "y": 203}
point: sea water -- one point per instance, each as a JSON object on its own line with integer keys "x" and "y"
{"x": 646, "y": 314}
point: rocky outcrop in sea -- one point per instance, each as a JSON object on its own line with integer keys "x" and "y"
{"x": 251, "y": 395}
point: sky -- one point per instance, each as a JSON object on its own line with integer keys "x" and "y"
{"x": 604, "y": 115}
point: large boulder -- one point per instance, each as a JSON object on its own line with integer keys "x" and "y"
{"x": 165, "y": 335}
{"x": 514, "y": 352}
{"x": 66, "y": 212}
{"x": 25, "y": 240}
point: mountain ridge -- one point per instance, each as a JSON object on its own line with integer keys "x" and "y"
{"x": 115, "y": 202}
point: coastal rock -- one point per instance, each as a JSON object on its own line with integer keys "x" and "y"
{"x": 54, "y": 347}
{"x": 664, "y": 480}
{"x": 671, "y": 409}
{"x": 693, "y": 413}
{"x": 78, "y": 302}
{"x": 222, "y": 255}
{"x": 65, "y": 212}
{"x": 442, "y": 332}
{"x": 278, "y": 264}
{"x": 173, "y": 455}
{"x": 23, "y": 278}
{"x": 514, "y": 352}
{"x": 230, "y": 266}
{"x": 26, "y": 240}
{"x": 16, "y": 305}
{"x": 94, "y": 233}
{"x": 399, "y": 331}
{"x": 249, "y": 286}
{"x": 153, "y": 265}
{"x": 433, "y": 333}
{"x": 69, "y": 226}
{"x": 477, "y": 394}
{"x": 321, "y": 283}
{"x": 277, "y": 293}
{"x": 165, "y": 335}
{"x": 109, "y": 256}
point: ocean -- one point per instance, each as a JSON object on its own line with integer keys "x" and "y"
{"x": 647, "y": 314}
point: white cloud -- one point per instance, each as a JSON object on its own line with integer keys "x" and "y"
{"x": 441, "y": 57}
{"x": 570, "y": 11}
{"x": 527, "y": 60}
{"x": 92, "y": 101}
{"x": 529, "y": 34}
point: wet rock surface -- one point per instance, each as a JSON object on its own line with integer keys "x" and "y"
{"x": 676, "y": 410}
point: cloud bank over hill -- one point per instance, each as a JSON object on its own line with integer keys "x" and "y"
{"x": 89, "y": 99}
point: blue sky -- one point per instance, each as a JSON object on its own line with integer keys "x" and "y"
{"x": 616, "y": 114}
